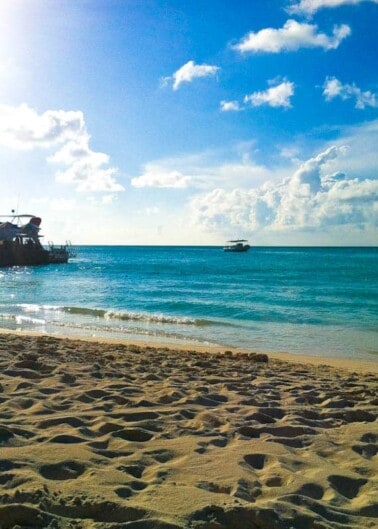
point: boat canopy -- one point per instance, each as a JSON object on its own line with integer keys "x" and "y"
{"x": 14, "y": 216}
{"x": 11, "y": 229}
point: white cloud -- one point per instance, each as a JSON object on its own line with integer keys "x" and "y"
{"x": 24, "y": 129}
{"x": 89, "y": 177}
{"x": 309, "y": 7}
{"x": 160, "y": 176}
{"x": 334, "y": 88}
{"x": 290, "y": 152}
{"x": 311, "y": 198}
{"x": 275, "y": 96}
{"x": 203, "y": 171}
{"x": 309, "y": 172}
{"x": 86, "y": 169}
{"x": 190, "y": 71}
{"x": 230, "y": 106}
{"x": 291, "y": 37}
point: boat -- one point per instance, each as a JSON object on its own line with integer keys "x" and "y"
{"x": 20, "y": 243}
{"x": 237, "y": 245}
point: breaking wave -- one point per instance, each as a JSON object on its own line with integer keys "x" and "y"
{"x": 117, "y": 315}
{"x": 136, "y": 316}
{"x": 20, "y": 319}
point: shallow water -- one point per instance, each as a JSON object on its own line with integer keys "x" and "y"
{"x": 320, "y": 301}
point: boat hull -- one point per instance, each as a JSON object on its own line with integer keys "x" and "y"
{"x": 12, "y": 254}
{"x": 237, "y": 249}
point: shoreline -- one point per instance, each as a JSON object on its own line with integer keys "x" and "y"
{"x": 362, "y": 366}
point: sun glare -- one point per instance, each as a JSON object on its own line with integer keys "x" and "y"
{"x": 11, "y": 26}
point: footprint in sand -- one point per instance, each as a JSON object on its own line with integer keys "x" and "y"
{"x": 136, "y": 416}
{"x": 108, "y": 427}
{"x": 203, "y": 446}
{"x": 6, "y": 465}
{"x": 22, "y": 373}
{"x": 161, "y": 456}
{"x": 5, "y": 434}
{"x": 99, "y": 445}
{"x": 261, "y": 418}
{"x": 346, "y": 486}
{"x": 8, "y": 480}
{"x": 274, "y": 481}
{"x": 135, "y": 470}
{"x": 369, "y": 437}
{"x": 62, "y": 471}
{"x": 67, "y": 439}
{"x": 49, "y": 391}
{"x": 289, "y": 431}
{"x": 311, "y": 490}
{"x": 22, "y": 403}
{"x": 75, "y": 422}
{"x": 136, "y": 435}
{"x": 369, "y": 446}
{"x": 366, "y": 450}
{"x": 23, "y": 385}
{"x": 124, "y": 492}
{"x": 67, "y": 378}
{"x": 247, "y": 490}
{"x": 249, "y": 431}
{"x": 348, "y": 416}
{"x": 256, "y": 461}
{"x": 138, "y": 485}
{"x": 18, "y": 515}
{"x": 112, "y": 454}
{"x": 214, "y": 487}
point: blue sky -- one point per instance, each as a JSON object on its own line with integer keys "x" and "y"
{"x": 175, "y": 122}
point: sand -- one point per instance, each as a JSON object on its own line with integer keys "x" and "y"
{"x": 115, "y": 436}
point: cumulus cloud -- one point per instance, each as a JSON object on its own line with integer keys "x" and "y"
{"x": 291, "y": 37}
{"x": 160, "y": 176}
{"x": 24, "y": 129}
{"x": 309, "y": 199}
{"x": 309, "y": 7}
{"x": 88, "y": 176}
{"x": 190, "y": 71}
{"x": 230, "y": 106}
{"x": 86, "y": 169}
{"x": 334, "y": 88}
{"x": 275, "y": 96}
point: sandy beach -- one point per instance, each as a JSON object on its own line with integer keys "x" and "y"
{"x": 114, "y": 435}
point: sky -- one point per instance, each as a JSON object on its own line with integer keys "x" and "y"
{"x": 171, "y": 122}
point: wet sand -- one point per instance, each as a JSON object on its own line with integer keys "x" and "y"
{"x": 107, "y": 435}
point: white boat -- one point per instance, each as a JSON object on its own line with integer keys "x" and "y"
{"x": 20, "y": 243}
{"x": 237, "y": 245}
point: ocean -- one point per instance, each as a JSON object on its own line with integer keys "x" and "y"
{"x": 314, "y": 301}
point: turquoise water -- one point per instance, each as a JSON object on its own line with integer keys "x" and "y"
{"x": 320, "y": 301}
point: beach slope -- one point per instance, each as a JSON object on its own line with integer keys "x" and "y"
{"x": 116, "y": 436}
